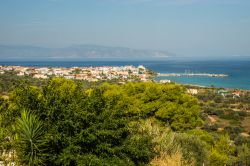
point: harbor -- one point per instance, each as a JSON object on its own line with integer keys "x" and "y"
{"x": 191, "y": 75}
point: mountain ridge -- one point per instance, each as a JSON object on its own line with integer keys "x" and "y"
{"x": 79, "y": 52}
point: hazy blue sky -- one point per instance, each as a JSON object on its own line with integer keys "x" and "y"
{"x": 184, "y": 27}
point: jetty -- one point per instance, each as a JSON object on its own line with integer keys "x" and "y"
{"x": 190, "y": 74}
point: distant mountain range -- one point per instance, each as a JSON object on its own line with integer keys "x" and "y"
{"x": 79, "y": 52}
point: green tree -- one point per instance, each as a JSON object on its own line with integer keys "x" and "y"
{"x": 92, "y": 126}
{"x": 89, "y": 127}
{"x": 222, "y": 152}
{"x": 29, "y": 139}
{"x": 244, "y": 155}
{"x": 167, "y": 102}
{"x": 193, "y": 148}
{"x": 203, "y": 136}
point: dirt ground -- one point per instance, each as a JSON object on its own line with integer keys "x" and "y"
{"x": 246, "y": 124}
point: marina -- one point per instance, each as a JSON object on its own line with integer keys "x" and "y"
{"x": 191, "y": 75}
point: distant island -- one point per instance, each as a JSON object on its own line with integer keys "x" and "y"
{"x": 79, "y": 52}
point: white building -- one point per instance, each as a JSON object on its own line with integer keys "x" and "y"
{"x": 192, "y": 91}
{"x": 40, "y": 76}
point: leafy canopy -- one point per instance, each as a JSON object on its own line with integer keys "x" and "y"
{"x": 80, "y": 126}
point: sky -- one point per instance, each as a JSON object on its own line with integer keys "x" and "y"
{"x": 192, "y": 28}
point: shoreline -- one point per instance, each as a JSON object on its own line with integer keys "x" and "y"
{"x": 155, "y": 77}
{"x": 204, "y": 86}
{"x": 209, "y": 87}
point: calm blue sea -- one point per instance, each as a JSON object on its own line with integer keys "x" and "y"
{"x": 238, "y": 71}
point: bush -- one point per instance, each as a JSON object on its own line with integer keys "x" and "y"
{"x": 232, "y": 115}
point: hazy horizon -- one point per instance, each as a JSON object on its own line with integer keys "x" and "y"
{"x": 214, "y": 29}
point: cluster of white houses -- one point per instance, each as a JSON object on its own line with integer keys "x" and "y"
{"x": 82, "y": 73}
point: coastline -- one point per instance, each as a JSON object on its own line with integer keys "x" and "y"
{"x": 209, "y": 87}
{"x": 91, "y": 74}
{"x": 238, "y": 71}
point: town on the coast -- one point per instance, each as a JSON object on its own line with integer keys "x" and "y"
{"x": 92, "y": 74}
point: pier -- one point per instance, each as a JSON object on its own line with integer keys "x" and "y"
{"x": 190, "y": 74}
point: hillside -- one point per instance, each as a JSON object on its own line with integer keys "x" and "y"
{"x": 59, "y": 121}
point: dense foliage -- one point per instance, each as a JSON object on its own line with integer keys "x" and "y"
{"x": 9, "y": 81}
{"x": 64, "y": 122}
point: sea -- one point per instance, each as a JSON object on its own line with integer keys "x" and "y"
{"x": 238, "y": 71}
